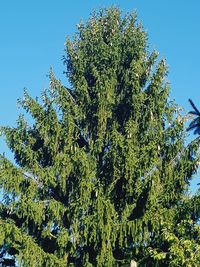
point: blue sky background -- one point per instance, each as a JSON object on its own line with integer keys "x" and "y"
{"x": 33, "y": 33}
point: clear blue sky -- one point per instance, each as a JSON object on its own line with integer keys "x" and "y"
{"x": 32, "y": 36}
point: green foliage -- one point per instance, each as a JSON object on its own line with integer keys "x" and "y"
{"x": 195, "y": 124}
{"x": 183, "y": 245}
{"x": 102, "y": 175}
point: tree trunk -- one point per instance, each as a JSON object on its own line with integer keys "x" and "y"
{"x": 133, "y": 263}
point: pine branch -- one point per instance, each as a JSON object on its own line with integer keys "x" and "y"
{"x": 173, "y": 162}
{"x": 194, "y": 107}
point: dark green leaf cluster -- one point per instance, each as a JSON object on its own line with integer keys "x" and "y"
{"x": 195, "y": 124}
{"x": 102, "y": 174}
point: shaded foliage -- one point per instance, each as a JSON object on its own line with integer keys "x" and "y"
{"x": 195, "y": 124}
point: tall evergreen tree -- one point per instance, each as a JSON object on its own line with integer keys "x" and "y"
{"x": 101, "y": 176}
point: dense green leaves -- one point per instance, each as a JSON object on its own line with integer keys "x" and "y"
{"x": 102, "y": 175}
